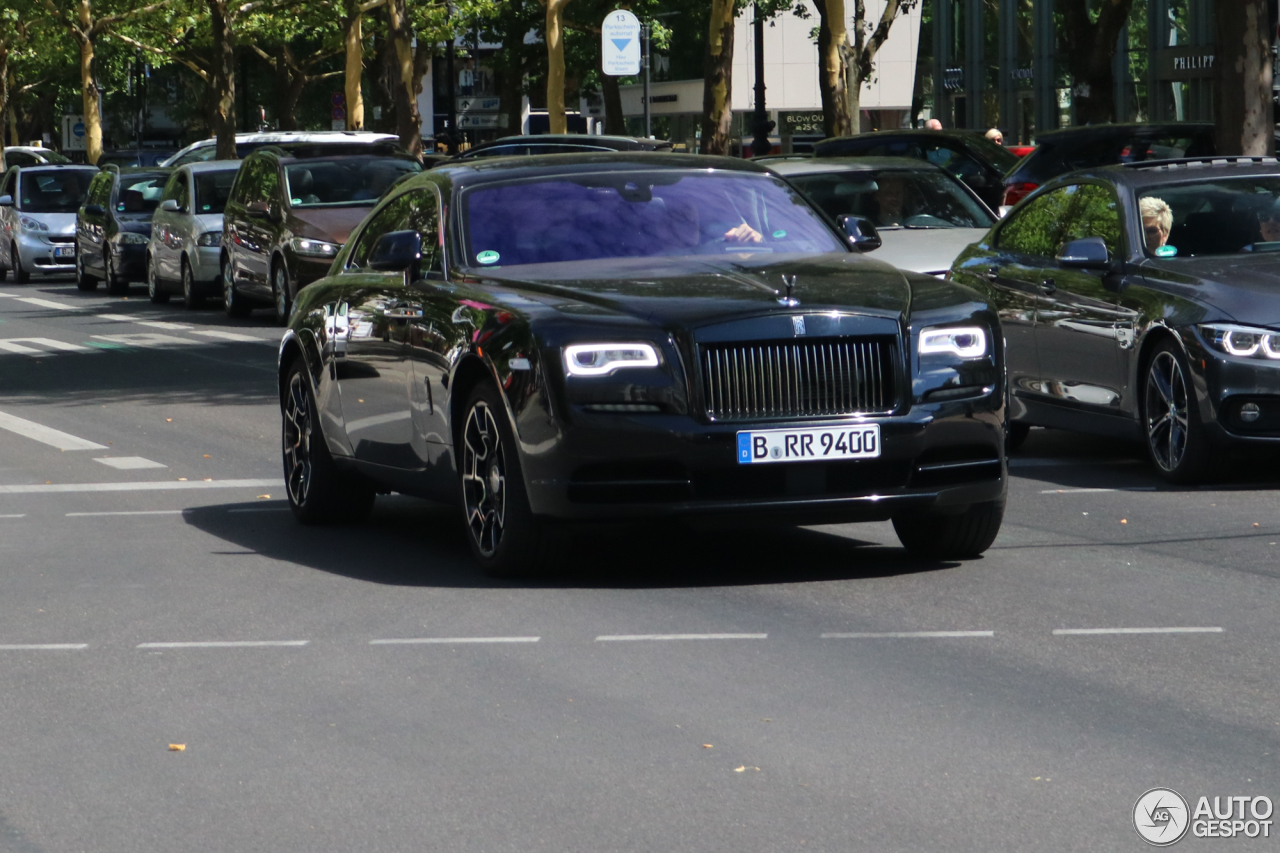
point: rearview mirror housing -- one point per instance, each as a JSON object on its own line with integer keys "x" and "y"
{"x": 6, "y": 201}
{"x": 170, "y": 205}
{"x": 94, "y": 209}
{"x": 397, "y": 251}
{"x": 1088, "y": 253}
{"x": 860, "y": 233}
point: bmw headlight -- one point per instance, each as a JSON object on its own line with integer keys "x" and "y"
{"x": 314, "y": 248}
{"x": 1242, "y": 341}
{"x": 960, "y": 341}
{"x": 33, "y": 225}
{"x": 601, "y": 359}
{"x": 130, "y": 238}
{"x": 210, "y": 239}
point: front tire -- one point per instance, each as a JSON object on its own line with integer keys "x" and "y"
{"x": 115, "y": 285}
{"x": 506, "y": 538}
{"x": 232, "y": 302}
{"x": 84, "y": 281}
{"x": 1176, "y": 440}
{"x": 20, "y": 276}
{"x": 318, "y": 492}
{"x": 155, "y": 291}
{"x": 282, "y": 298}
{"x": 936, "y": 536}
{"x": 191, "y": 298}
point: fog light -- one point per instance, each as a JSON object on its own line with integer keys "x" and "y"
{"x": 1250, "y": 412}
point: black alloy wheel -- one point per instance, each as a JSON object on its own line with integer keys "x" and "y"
{"x": 318, "y": 493}
{"x": 506, "y": 539}
{"x": 191, "y": 298}
{"x": 155, "y": 291}
{"x": 232, "y": 302}
{"x": 116, "y": 286}
{"x": 956, "y": 536}
{"x": 281, "y": 297}
{"x": 20, "y": 276}
{"x": 1175, "y": 437}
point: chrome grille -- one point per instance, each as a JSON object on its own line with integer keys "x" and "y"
{"x": 799, "y": 379}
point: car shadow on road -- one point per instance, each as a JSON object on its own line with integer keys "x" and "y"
{"x": 416, "y": 543}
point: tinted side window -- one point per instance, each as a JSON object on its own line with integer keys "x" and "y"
{"x": 953, "y": 159}
{"x": 1094, "y": 212}
{"x": 246, "y": 179}
{"x": 179, "y": 190}
{"x": 269, "y": 184}
{"x": 416, "y": 210}
{"x": 100, "y": 189}
{"x": 1035, "y": 229}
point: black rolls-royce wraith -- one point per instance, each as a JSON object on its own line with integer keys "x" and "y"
{"x": 545, "y": 340}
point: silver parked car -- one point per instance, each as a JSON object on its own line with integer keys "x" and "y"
{"x": 247, "y": 143}
{"x": 186, "y": 233}
{"x": 38, "y": 207}
{"x": 924, "y": 217}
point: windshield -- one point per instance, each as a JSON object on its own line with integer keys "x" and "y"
{"x": 212, "y": 190}
{"x": 140, "y": 193}
{"x": 1219, "y": 217}
{"x": 53, "y": 191}
{"x": 1002, "y": 158}
{"x": 637, "y": 215}
{"x": 895, "y": 198}
{"x": 343, "y": 181}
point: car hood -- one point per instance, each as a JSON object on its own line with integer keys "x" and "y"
{"x": 138, "y": 223}
{"x": 59, "y": 223}
{"x": 1244, "y": 287}
{"x": 926, "y": 250}
{"x": 332, "y": 224}
{"x": 205, "y": 222}
{"x": 686, "y": 291}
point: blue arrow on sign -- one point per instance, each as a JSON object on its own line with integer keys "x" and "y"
{"x": 620, "y": 44}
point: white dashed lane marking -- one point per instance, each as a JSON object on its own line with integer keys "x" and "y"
{"x": 15, "y": 515}
{"x": 129, "y": 463}
{"x": 43, "y": 647}
{"x": 39, "y": 346}
{"x": 46, "y": 435}
{"x": 41, "y": 303}
{"x": 224, "y": 644}
{"x": 899, "y": 635}
{"x": 442, "y": 640}
{"x": 1090, "y": 631}
{"x": 127, "y": 512}
{"x": 155, "y": 324}
{"x": 614, "y": 638}
{"x": 148, "y": 486}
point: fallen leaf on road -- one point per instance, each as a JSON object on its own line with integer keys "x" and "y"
{"x": 264, "y": 497}
{"x": 177, "y": 747}
{"x": 1255, "y": 524}
{"x": 182, "y": 479}
{"x": 207, "y": 456}
{"x": 706, "y": 746}
{"x": 168, "y": 420}
{"x": 1124, "y": 521}
{"x": 739, "y": 769}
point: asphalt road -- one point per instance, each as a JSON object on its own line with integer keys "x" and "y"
{"x": 667, "y": 691}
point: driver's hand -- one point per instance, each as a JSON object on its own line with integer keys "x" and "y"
{"x": 744, "y": 233}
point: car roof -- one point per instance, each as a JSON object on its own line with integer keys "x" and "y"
{"x": 56, "y": 167}
{"x": 1104, "y": 131}
{"x": 827, "y": 165}
{"x": 303, "y": 136}
{"x": 288, "y": 153}
{"x": 968, "y": 135}
{"x": 486, "y": 170}
{"x": 575, "y": 139}
{"x": 1149, "y": 173}
{"x": 212, "y": 166}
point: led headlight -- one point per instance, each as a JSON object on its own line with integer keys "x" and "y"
{"x": 210, "y": 239}
{"x": 960, "y": 341}
{"x": 29, "y": 224}
{"x": 1242, "y": 341}
{"x": 599, "y": 359}
{"x": 314, "y": 248}
{"x": 129, "y": 238}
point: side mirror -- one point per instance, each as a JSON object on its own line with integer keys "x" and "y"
{"x": 397, "y": 251}
{"x": 258, "y": 210}
{"x": 1089, "y": 253}
{"x": 6, "y": 201}
{"x": 860, "y": 233}
{"x": 94, "y": 209}
{"x": 170, "y": 205}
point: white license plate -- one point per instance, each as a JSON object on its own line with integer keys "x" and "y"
{"x": 808, "y": 445}
{"x": 64, "y": 251}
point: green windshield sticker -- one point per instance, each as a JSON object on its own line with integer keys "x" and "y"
{"x": 1166, "y": 251}
{"x": 489, "y": 257}
{"x": 779, "y": 234}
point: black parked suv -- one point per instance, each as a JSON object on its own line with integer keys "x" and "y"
{"x": 113, "y": 226}
{"x": 966, "y": 154}
{"x": 289, "y": 213}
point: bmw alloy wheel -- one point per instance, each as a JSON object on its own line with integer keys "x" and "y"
{"x": 1166, "y": 411}
{"x": 484, "y": 478}
{"x": 280, "y": 289}
{"x": 297, "y": 441}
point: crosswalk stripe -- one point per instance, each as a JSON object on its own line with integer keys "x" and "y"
{"x": 155, "y": 324}
{"x": 46, "y": 435}
{"x": 46, "y": 303}
{"x": 19, "y": 345}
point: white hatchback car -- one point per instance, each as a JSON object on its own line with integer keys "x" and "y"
{"x": 247, "y": 143}
{"x": 186, "y": 233}
{"x": 38, "y": 207}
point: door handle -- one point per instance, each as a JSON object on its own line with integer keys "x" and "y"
{"x": 993, "y": 273}
{"x": 1048, "y": 287}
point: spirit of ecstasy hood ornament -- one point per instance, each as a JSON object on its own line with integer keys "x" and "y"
{"x": 789, "y": 284}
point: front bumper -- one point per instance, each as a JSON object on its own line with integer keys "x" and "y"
{"x": 1226, "y": 384}
{"x": 206, "y": 267}
{"x": 606, "y": 466}
{"x": 37, "y": 254}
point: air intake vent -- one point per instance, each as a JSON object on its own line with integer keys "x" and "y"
{"x": 848, "y": 376}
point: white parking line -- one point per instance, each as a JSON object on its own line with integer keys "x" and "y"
{"x": 1075, "y": 631}
{"x": 234, "y": 337}
{"x": 19, "y": 346}
{"x": 608, "y": 638}
{"x": 146, "y": 486}
{"x": 432, "y": 640}
{"x": 131, "y": 512}
{"x": 15, "y": 515}
{"x": 1095, "y": 491}
{"x": 155, "y": 324}
{"x": 875, "y": 635}
{"x": 44, "y": 303}
{"x": 228, "y": 644}
{"x": 46, "y": 435}
{"x": 129, "y": 463}
{"x": 43, "y": 647}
